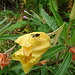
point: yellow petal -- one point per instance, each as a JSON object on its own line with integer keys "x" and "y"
{"x": 38, "y": 53}
{"x": 22, "y": 58}
{"x": 40, "y": 47}
{"x": 14, "y": 56}
{"x": 33, "y": 47}
{"x": 27, "y": 40}
{"x": 41, "y": 44}
{"x": 26, "y": 50}
{"x": 42, "y": 35}
{"x": 24, "y": 40}
{"x": 32, "y": 62}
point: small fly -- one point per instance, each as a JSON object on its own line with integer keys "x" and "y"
{"x": 35, "y": 35}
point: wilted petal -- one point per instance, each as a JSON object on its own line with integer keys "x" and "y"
{"x": 42, "y": 62}
{"x": 72, "y": 50}
{"x": 14, "y": 56}
{"x": 34, "y": 45}
{"x": 38, "y": 53}
{"x": 4, "y": 60}
{"x": 32, "y": 62}
{"x": 26, "y": 50}
{"x": 24, "y": 40}
{"x": 73, "y": 57}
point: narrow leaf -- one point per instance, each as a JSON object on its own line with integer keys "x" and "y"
{"x": 51, "y": 69}
{"x": 68, "y": 72}
{"x": 43, "y": 69}
{"x": 36, "y": 16}
{"x": 56, "y": 15}
{"x": 5, "y": 27}
{"x": 52, "y": 51}
{"x": 17, "y": 25}
{"x": 46, "y": 17}
{"x": 34, "y": 68}
{"x": 72, "y": 38}
{"x": 66, "y": 62}
{"x": 64, "y": 33}
{"x": 9, "y": 37}
{"x": 16, "y": 67}
{"x": 1, "y": 22}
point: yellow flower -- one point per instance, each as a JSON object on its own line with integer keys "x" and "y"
{"x": 34, "y": 45}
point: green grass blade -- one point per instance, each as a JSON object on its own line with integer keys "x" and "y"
{"x": 1, "y": 22}
{"x": 16, "y": 67}
{"x": 34, "y": 68}
{"x": 46, "y": 17}
{"x": 66, "y": 62}
{"x": 51, "y": 69}
{"x": 64, "y": 33}
{"x": 5, "y": 27}
{"x": 72, "y": 38}
{"x": 17, "y": 25}
{"x": 43, "y": 69}
{"x": 36, "y": 16}
{"x": 52, "y": 51}
{"x": 12, "y": 37}
{"x": 56, "y": 15}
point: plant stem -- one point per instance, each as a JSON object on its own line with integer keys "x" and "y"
{"x": 56, "y": 62}
{"x": 57, "y": 58}
{"x": 69, "y": 29}
{"x": 9, "y": 49}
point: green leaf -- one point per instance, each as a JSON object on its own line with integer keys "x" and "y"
{"x": 68, "y": 72}
{"x": 9, "y": 37}
{"x": 54, "y": 5}
{"x": 72, "y": 38}
{"x": 10, "y": 73}
{"x": 46, "y": 17}
{"x": 22, "y": 73}
{"x": 66, "y": 62}
{"x": 35, "y": 20}
{"x": 16, "y": 67}
{"x": 17, "y": 25}
{"x": 5, "y": 27}
{"x": 64, "y": 32}
{"x": 34, "y": 68}
{"x": 1, "y": 72}
{"x": 52, "y": 51}
{"x": 36, "y": 16}
{"x": 56, "y": 15}
{"x": 44, "y": 28}
{"x": 51, "y": 69}
{"x": 1, "y": 22}
{"x": 72, "y": 66}
{"x": 43, "y": 69}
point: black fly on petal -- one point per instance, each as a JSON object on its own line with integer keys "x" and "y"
{"x": 35, "y": 35}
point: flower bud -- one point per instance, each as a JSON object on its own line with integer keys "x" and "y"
{"x": 72, "y": 14}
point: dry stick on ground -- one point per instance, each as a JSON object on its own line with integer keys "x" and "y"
{"x": 69, "y": 29}
{"x": 9, "y": 49}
